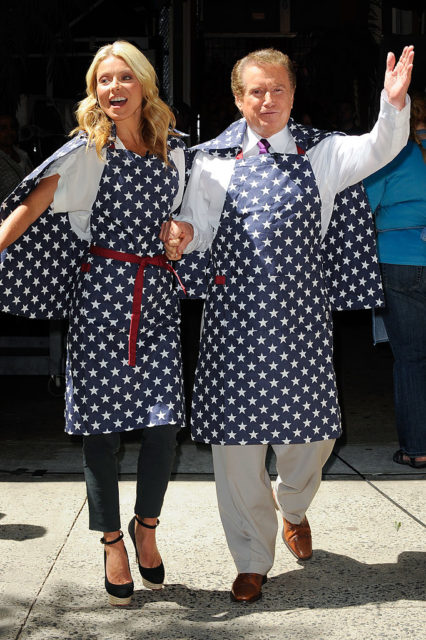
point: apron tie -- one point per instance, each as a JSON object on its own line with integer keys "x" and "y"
{"x": 142, "y": 261}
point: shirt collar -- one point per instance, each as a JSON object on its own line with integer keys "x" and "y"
{"x": 281, "y": 142}
{"x": 118, "y": 143}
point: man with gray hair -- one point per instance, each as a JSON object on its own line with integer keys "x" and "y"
{"x": 285, "y": 251}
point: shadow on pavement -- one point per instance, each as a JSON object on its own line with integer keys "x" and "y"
{"x": 21, "y": 532}
{"x": 328, "y": 581}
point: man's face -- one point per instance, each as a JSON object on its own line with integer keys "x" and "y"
{"x": 267, "y": 99}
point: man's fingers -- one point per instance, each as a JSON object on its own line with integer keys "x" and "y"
{"x": 390, "y": 61}
{"x": 169, "y": 230}
{"x": 175, "y": 231}
{"x": 406, "y": 60}
{"x": 173, "y": 242}
{"x": 173, "y": 255}
{"x": 183, "y": 243}
{"x": 163, "y": 232}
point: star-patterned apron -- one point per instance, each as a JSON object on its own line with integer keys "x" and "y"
{"x": 113, "y": 385}
{"x": 123, "y": 356}
{"x": 265, "y": 371}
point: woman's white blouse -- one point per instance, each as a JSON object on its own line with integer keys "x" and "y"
{"x": 80, "y": 173}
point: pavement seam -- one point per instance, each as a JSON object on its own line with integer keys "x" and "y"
{"x": 21, "y": 628}
{"x": 422, "y": 524}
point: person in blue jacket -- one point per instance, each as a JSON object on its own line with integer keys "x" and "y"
{"x": 397, "y": 194}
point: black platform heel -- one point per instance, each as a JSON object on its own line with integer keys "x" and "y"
{"x": 118, "y": 594}
{"x": 151, "y": 578}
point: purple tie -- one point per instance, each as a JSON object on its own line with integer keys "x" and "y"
{"x": 263, "y": 145}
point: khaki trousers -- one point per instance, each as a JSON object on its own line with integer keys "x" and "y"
{"x": 245, "y": 501}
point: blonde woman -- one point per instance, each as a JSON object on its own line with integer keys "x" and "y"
{"x": 119, "y": 178}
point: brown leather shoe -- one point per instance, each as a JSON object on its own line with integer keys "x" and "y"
{"x": 297, "y": 538}
{"x": 247, "y": 587}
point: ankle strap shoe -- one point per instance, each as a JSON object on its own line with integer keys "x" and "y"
{"x": 152, "y": 578}
{"x": 118, "y": 594}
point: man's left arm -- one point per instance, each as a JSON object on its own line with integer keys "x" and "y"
{"x": 341, "y": 161}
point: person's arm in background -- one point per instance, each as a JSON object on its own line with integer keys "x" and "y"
{"x": 375, "y": 186}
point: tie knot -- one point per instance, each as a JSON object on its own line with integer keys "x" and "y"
{"x": 263, "y": 145}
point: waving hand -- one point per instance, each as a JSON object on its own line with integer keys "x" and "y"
{"x": 398, "y": 76}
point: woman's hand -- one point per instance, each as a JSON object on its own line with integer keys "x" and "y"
{"x": 176, "y": 236}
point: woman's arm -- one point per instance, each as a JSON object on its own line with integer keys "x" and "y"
{"x": 26, "y": 213}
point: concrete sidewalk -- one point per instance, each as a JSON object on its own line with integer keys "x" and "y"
{"x": 366, "y": 579}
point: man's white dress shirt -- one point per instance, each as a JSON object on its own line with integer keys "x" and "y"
{"x": 337, "y": 162}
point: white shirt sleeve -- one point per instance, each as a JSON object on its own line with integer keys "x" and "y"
{"x": 79, "y": 175}
{"x": 341, "y": 161}
{"x": 204, "y": 198}
{"x": 178, "y": 157}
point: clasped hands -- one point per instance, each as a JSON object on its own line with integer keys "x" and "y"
{"x": 176, "y": 236}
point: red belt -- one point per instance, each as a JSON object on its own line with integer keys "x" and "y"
{"x": 142, "y": 261}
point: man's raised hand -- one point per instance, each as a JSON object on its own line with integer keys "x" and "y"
{"x": 398, "y": 76}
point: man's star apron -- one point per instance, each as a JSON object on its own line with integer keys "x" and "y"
{"x": 265, "y": 371}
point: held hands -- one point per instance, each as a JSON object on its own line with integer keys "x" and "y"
{"x": 398, "y": 77}
{"x": 176, "y": 236}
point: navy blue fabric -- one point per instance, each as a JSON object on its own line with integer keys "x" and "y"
{"x": 37, "y": 272}
{"x": 265, "y": 371}
{"x": 49, "y": 272}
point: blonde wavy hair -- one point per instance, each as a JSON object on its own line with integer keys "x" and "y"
{"x": 157, "y": 119}
{"x": 260, "y": 57}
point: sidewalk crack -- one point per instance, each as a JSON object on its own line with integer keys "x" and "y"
{"x": 33, "y": 603}
{"x": 396, "y": 504}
